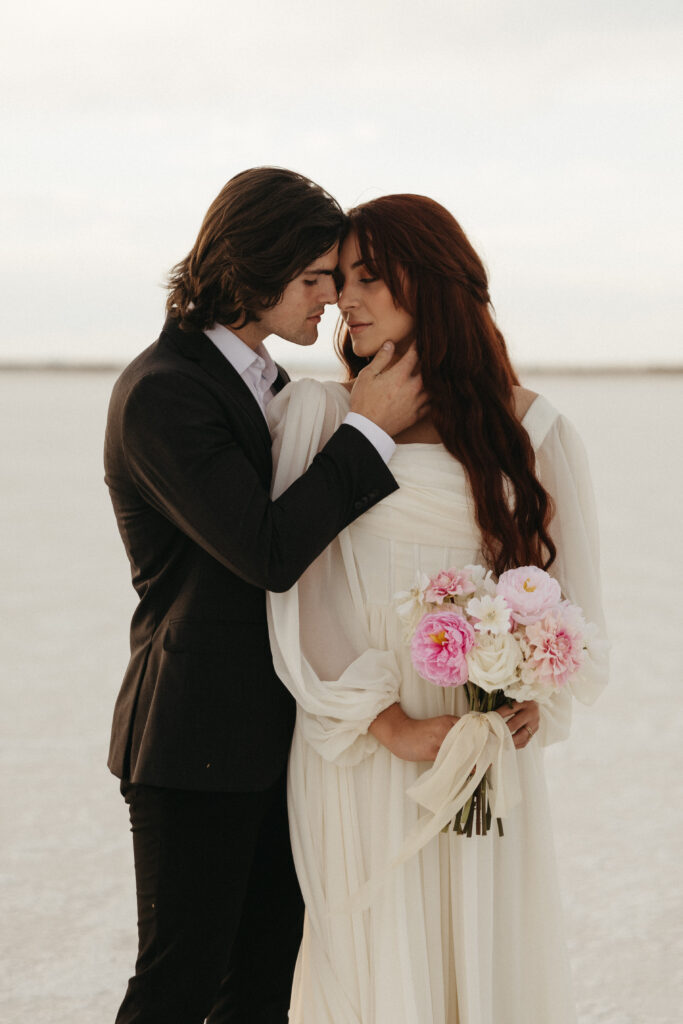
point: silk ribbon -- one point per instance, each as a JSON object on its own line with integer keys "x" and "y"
{"x": 477, "y": 743}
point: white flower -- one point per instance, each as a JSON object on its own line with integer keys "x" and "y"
{"x": 591, "y": 675}
{"x": 530, "y": 686}
{"x": 411, "y": 604}
{"x": 492, "y": 612}
{"x": 482, "y": 579}
{"x": 494, "y": 661}
{"x": 410, "y": 601}
{"x": 595, "y": 643}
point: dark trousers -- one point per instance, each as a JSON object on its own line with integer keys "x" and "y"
{"x": 220, "y": 913}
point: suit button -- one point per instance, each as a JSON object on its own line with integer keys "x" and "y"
{"x": 361, "y": 503}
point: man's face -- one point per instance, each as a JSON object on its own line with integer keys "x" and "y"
{"x": 297, "y": 314}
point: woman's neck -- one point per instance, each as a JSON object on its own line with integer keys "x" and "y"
{"x": 422, "y": 432}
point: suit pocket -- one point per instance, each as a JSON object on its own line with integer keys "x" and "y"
{"x": 202, "y": 636}
{"x": 209, "y": 666}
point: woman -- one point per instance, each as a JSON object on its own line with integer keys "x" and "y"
{"x": 466, "y": 930}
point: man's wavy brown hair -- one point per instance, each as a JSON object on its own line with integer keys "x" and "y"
{"x": 262, "y": 229}
{"x": 424, "y": 257}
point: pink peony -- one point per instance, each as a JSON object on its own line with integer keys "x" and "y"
{"x": 529, "y": 592}
{"x": 449, "y": 583}
{"x": 440, "y": 646}
{"x": 554, "y": 646}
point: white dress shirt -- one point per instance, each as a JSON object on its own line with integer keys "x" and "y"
{"x": 259, "y": 372}
{"x": 256, "y": 368}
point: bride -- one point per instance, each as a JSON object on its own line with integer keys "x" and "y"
{"x": 465, "y": 930}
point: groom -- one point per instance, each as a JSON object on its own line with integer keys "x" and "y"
{"x": 202, "y": 725}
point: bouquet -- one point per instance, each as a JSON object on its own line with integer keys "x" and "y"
{"x": 511, "y": 639}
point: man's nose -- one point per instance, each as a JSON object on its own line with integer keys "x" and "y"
{"x": 328, "y": 290}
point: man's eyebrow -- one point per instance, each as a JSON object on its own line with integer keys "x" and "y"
{"x": 316, "y": 270}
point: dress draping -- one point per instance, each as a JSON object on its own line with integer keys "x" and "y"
{"x": 468, "y": 930}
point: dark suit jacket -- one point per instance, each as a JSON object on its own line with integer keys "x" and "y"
{"x": 188, "y": 466}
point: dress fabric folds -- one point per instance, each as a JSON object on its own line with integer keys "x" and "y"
{"x": 469, "y": 930}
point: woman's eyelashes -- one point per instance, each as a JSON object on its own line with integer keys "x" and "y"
{"x": 355, "y": 278}
{"x": 365, "y": 275}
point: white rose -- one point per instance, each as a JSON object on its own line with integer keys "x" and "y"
{"x": 494, "y": 661}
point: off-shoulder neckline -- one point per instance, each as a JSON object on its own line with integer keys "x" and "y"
{"x": 439, "y": 444}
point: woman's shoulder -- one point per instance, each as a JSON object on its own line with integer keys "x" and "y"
{"x": 537, "y": 415}
{"x": 524, "y": 398}
{"x": 545, "y": 424}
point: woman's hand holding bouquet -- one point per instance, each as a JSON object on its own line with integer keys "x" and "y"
{"x": 411, "y": 739}
{"x": 513, "y": 643}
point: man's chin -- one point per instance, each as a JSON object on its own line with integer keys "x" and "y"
{"x": 307, "y": 339}
{"x": 305, "y": 336}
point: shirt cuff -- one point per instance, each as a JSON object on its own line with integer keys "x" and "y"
{"x": 377, "y": 437}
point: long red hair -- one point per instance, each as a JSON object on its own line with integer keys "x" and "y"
{"x": 424, "y": 257}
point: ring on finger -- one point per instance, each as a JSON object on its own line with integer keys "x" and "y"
{"x": 530, "y": 731}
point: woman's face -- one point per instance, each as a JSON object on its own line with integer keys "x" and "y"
{"x": 368, "y": 306}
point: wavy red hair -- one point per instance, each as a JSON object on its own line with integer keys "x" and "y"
{"x": 424, "y": 257}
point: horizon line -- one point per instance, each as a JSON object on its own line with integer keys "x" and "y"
{"x": 580, "y": 369}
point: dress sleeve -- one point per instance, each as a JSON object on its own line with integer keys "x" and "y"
{"x": 318, "y": 629}
{"x": 563, "y": 470}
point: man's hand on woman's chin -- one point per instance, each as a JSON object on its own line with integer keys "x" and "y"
{"x": 392, "y": 396}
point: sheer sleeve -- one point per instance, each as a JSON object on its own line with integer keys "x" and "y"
{"x": 563, "y": 470}
{"x": 318, "y": 629}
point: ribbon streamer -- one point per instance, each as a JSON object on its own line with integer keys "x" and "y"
{"x": 477, "y": 742}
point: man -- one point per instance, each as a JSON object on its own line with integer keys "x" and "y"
{"x": 202, "y": 725}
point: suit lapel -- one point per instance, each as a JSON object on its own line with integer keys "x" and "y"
{"x": 281, "y": 379}
{"x": 196, "y": 346}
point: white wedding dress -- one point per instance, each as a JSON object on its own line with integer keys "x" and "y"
{"x": 468, "y": 930}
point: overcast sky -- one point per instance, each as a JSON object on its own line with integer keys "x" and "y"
{"x": 550, "y": 129}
